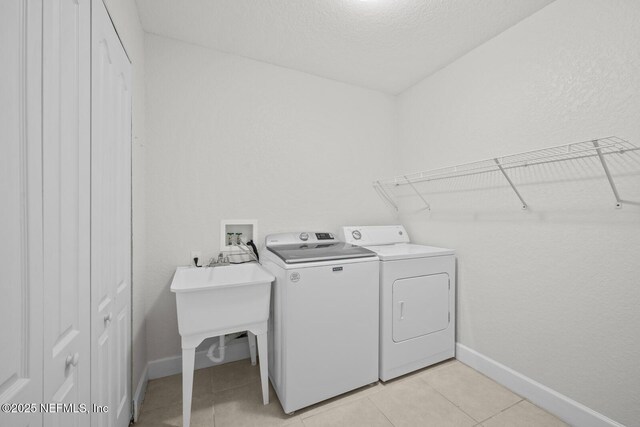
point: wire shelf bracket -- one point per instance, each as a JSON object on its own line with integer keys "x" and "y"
{"x": 596, "y": 148}
{"x": 413, "y": 187}
{"x": 608, "y": 173}
{"x": 385, "y": 196}
{"x": 515, "y": 190}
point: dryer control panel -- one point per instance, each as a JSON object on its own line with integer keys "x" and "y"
{"x": 371, "y": 235}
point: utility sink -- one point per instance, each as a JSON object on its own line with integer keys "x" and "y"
{"x": 221, "y": 297}
{"x": 214, "y": 301}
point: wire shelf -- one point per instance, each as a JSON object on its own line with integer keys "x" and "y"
{"x": 595, "y": 148}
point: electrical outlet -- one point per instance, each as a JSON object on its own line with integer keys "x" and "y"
{"x": 195, "y": 254}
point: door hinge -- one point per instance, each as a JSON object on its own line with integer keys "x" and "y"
{"x": 449, "y": 280}
{"x": 449, "y": 317}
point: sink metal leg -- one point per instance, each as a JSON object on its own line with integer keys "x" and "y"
{"x": 188, "y": 363}
{"x": 264, "y": 366}
{"x": 252, "y": 347}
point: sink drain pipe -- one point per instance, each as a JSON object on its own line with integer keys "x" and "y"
{"x": 221, "y": 345}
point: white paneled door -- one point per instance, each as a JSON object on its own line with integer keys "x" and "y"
{"x": 20, "y": 209}
{"x": 65, "y": 216}
{"x": 66, "y": 206}
{"x": 110, "y": 221}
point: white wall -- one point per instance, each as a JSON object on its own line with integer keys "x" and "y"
{"x": 236, "y": 138}
{"x": 551, "y": 292}
{"x": 124, "y": 15}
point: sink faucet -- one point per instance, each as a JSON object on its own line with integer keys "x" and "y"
{"x": 246, "y": 249}
{"x": 220, "y": 261}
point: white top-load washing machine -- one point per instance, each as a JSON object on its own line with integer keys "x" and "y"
{"x": 323, "y": 324}
{"x": 417, "y": 299}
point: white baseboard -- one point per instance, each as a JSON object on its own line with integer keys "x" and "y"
{"x": 141, "y": 389}
{"x": 236, "y": 350}
{"x": 550, "y": 400}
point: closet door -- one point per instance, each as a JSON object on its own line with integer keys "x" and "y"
{"x": 110, "y": 221}
{"x": 66, "y": 206}
{"x": 20, "y": 209}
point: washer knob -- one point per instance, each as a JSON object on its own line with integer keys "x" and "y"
{"x": 356, "y": 234}
{"x": 304, "y": 236}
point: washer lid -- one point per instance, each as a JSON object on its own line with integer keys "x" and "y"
{"x": 408, "y": 251}
{"x": 314, "y": 252}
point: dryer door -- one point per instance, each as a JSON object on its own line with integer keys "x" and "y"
{"x": 420, "y": 306}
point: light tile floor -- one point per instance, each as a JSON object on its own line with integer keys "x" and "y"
{"x": 447, "y": 394}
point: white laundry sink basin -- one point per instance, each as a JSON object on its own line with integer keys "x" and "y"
{"x": 222, "y": 297}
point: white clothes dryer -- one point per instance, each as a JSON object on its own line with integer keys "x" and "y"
{"x": 417, "y": 299}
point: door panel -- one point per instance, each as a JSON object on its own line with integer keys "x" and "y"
{"x": 111, "y": 219}
{"x": 102, "y": 378}
{"x": 66, "y": 204}
{"x": 420, "y": 306}
{"x": 21, "y": 212}
{"x": 331, "y": 323}
{"x": 122, "y": 362}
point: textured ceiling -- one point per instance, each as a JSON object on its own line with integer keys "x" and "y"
{"x": 387, "y": 45}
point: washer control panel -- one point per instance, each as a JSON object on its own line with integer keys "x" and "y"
{"x": 325, "y": 236}
{"x": 306, "y": 237}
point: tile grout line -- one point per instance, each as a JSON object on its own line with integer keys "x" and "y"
{"x": 214, "y": 392}
{"x": 303, "y": 417}
{"x": 456, "y": 405}
{"x": 235, "y": 387}
{"x": 382, "y": 412}
{"x": 339, "y": 404}
{"x": 503, "y": 410}
{"x": 449, "y": 400}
